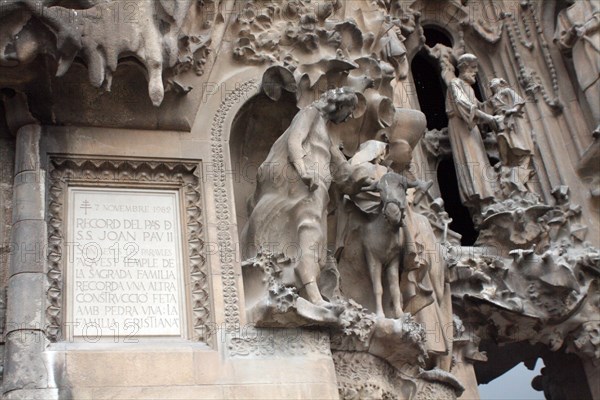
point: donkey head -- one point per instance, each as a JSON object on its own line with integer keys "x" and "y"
{"x": 392, "y": 188}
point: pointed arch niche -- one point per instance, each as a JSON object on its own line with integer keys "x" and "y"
{"x": 431, "y": 92}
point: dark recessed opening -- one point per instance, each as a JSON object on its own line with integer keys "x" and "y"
{"x": 426, "y": 72}
{"x": 461, "y": 219}
{"x": 434, "y": 35}
{"x": 430, "y": 90}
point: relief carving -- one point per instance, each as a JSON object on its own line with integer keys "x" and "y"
{"x": 372, "y": 277}
{"x": 284, "y": 285}
{"x": 224, "y": 237}
{"x": 347, "y": 252}
{"x": 256, "y": 342}
{"x": 578, "y": 33}
{"x": 163, "y": 36}
{"x": 529, "y": 78}
{"x": 545, "y": 291}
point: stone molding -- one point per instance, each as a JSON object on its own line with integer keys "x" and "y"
{"x": 222, "y": 205}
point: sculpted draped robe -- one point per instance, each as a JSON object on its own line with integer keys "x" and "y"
{"x": 475, "y": 174}
{"x": 283, "y": 203}
{"x": 425, "y": 292}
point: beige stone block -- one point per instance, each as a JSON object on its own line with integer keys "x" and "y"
{"x": 26, "y": 302}
{"x": 164, "y": 392}
{"x": 28, "y": 247}
{"x": 28, "y": 196}
{"x": 113, "y": 142}
{"x": 207, "y": 367}
{"x": 282, "y": 391}
{"x": 196, "y": 149}
{"x": 110, "y": 368}
{"x": 285, "y": 369}
{"x": 77, "y": 393}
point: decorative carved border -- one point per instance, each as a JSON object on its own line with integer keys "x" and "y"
{"x": 224, "y": 239}
{"x": 186, "y": 176}
{"x": 255, "y": 342}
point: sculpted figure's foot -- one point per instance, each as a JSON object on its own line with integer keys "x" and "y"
{"x": 314, "y": 296}
{"x": 324, "y": 303}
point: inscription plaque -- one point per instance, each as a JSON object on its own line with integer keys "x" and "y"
{"x": 124, "y": 270}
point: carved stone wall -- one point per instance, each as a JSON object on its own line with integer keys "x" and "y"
{"x": 117, "y": 93}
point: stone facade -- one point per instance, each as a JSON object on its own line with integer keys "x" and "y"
{"x": 387, "y": 199}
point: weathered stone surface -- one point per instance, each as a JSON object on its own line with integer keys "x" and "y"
{"x": 29, "y": 251}
{"x": 27, "y": 368}
{"x": 29, "y": 195}
{"x": 27, "y": 294}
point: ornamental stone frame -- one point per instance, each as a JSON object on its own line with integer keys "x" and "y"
{"x": 182, "y": 176}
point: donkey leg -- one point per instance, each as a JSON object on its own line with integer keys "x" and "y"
{"x": 393, "y": 276}
{"x": 375, "y": 272}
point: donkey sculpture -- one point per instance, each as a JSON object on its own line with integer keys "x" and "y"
{"x": 382, "y": 238}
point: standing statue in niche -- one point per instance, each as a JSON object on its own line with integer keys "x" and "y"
{"x": 515, "y": 144}
{"x": 578, "y": 30}
{"x": 290, "y": 202}
{"x": 475, "y": 175}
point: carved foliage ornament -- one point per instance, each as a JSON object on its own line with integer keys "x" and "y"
{"x": 185, "y": 176}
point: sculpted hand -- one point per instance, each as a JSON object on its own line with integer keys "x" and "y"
{"x": 492, "y": 120}
{"x": 369, "y": 185}
{"x": 307, "y": 177}
{"x": 498, "y": 123}
{"x": 580, "y": 30}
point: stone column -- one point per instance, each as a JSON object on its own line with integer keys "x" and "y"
{"x": 25, "y": 368}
